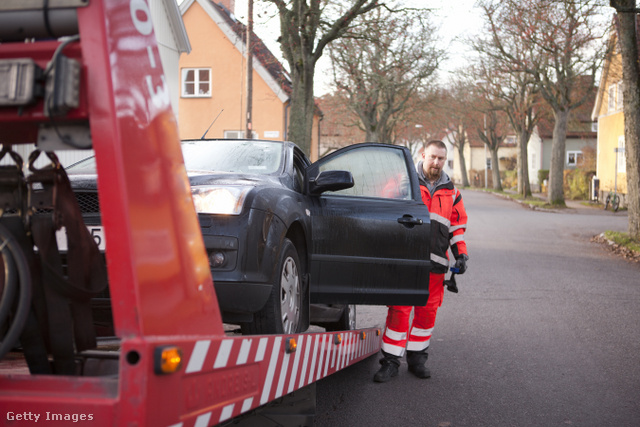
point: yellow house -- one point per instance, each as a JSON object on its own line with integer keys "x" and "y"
{"x": 607, "y": 110}
{"x": 213, "y": 86}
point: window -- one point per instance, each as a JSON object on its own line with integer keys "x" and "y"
{"x": 574, "y": 158}
{"x": 619, "y": 96}
{"x": 238, "y": 134}
{"x": 621, "y": 155}
{"x": 196, "y": 82}
{"x": 510, "y": 140}
{"x": 611, "y": 105}
{"x": 377, "y": 172}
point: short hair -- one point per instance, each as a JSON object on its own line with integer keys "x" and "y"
{"x": 435, "y": 142}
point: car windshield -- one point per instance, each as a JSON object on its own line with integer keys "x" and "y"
{"x": 244, "y": 156}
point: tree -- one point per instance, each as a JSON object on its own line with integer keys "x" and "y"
{"x": 499, "y": 65}
{"x": 561, "y": 50}
{"x": 626, "y": 10}
{"x": 306, "y": 28}
{"x": 457, "y": 106}
{"x": 381, "y": 63}
{"x": 492, "y": 130}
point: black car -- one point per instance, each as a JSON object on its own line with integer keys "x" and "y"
{"x": 289, "y": 241}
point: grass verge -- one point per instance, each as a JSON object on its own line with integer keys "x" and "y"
{"x": 623, "y": 239}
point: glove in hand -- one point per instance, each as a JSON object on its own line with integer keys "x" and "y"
{"x": 461, "y": 264}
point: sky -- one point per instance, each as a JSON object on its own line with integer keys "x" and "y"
{"x": 456, "y": 18}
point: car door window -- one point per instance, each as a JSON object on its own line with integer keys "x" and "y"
{"x": 377, "y": 172}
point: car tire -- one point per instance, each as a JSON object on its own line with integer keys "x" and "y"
{"x": 283, "y": 313}
{"x": 347, "y": 321}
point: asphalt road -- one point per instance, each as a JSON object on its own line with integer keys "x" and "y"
{"x": 544, "y": 332}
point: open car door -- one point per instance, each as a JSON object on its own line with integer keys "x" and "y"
{"x": 370, "y": 242}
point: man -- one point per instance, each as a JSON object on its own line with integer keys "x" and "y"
{"x": 448, "y": 224}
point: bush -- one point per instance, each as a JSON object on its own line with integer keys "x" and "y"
{"x": 542, "y": 175}
{"x": 576, "y": 184}
{"x": 509, "y": 179}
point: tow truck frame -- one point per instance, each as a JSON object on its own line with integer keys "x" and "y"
{"x": 174, "y": 364}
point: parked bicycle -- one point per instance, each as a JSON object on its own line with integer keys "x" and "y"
{"x": 614, "y": 200}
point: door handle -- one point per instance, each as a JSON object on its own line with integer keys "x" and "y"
{"x": 409, "y": 221}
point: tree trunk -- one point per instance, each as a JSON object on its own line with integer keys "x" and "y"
{"x": 463, "y": 166}
{"x": 524, "y": 185}
{"x": 302, "y": 109}
{"x": 371, "y": 136}
{"x": 495, "y": 169}
{"x": 631, "y": 100}
{"x": 556, "y": 171}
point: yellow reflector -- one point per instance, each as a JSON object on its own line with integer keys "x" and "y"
{"x": 290, "y": 345}
{"x": 167, "y": 360}
{"x": 363, "y": 335}
{"x": 377, "y": 332}
{"x": 337, "y": 339}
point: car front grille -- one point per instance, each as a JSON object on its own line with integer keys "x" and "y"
{"x": 88, "y": 202}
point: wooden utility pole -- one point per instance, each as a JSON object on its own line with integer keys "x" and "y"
{"x": 248, "y": 131}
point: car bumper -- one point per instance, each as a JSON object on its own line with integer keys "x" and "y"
{"x": 249, "y": 244}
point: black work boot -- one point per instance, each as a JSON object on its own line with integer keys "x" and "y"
{"x": 389, "y": 368}
{"x": 416, "y": 361}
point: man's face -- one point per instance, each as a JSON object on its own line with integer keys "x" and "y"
{"x": 434, "y": 158}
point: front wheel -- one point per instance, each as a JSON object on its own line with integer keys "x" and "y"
{"x": 347, "y": 321}
{"x": 615, "y": 203}
{"x": 282, "y": 314}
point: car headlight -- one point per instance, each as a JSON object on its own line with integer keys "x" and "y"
{"x": 219, "y": 200}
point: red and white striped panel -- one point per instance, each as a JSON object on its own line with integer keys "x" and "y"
{"x": 279, "y": 372}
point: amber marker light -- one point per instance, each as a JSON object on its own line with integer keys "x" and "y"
{"x": 363, "y": 335}
{"x": 290, "y": 345}
{"x": 337, "y": 339}
{"x": 167, "y": 359}
{"x": 377, "y": 332}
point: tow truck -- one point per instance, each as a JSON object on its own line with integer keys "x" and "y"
{"x": 87, "y": 74}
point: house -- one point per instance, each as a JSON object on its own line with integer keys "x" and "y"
{"x": 172, "y": 40}
{"x": 581, "y": 141}
{"x": 213, "y": 88}
{"x": 611, "y": 158}
{"x": 476, "y": 156}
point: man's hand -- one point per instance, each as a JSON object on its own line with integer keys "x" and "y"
{"x": 461, "y": 264}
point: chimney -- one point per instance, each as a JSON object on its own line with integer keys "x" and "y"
{"x": 229, "y": 4}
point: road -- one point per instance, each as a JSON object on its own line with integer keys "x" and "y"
{"x": 544, "y": 332}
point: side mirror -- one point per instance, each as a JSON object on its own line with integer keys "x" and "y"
{"x": 330, "y": 181}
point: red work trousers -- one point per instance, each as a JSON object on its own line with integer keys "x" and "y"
{"x": 397, "y": 336}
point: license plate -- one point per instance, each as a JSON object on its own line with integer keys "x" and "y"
{"x": 96, "y": 231}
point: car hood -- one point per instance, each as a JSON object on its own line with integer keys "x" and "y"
{"x": 89, "y": 182}
{"x": 83, "y": 182}
{"x": 227, "y": 178}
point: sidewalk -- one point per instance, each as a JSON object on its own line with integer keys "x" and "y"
{"x": 577, "y": 206}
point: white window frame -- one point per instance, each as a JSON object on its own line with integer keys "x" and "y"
{"x": 196, "y": 82}
{"x": 239, "y": 134}
{"x": 619, "y": 96}
{"x": 621, "y": 155}
{"x": 611, "y": 104}
{"x": 576, "y": 154}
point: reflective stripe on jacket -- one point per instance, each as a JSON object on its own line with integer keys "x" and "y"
{"x": 448, "y": 222}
